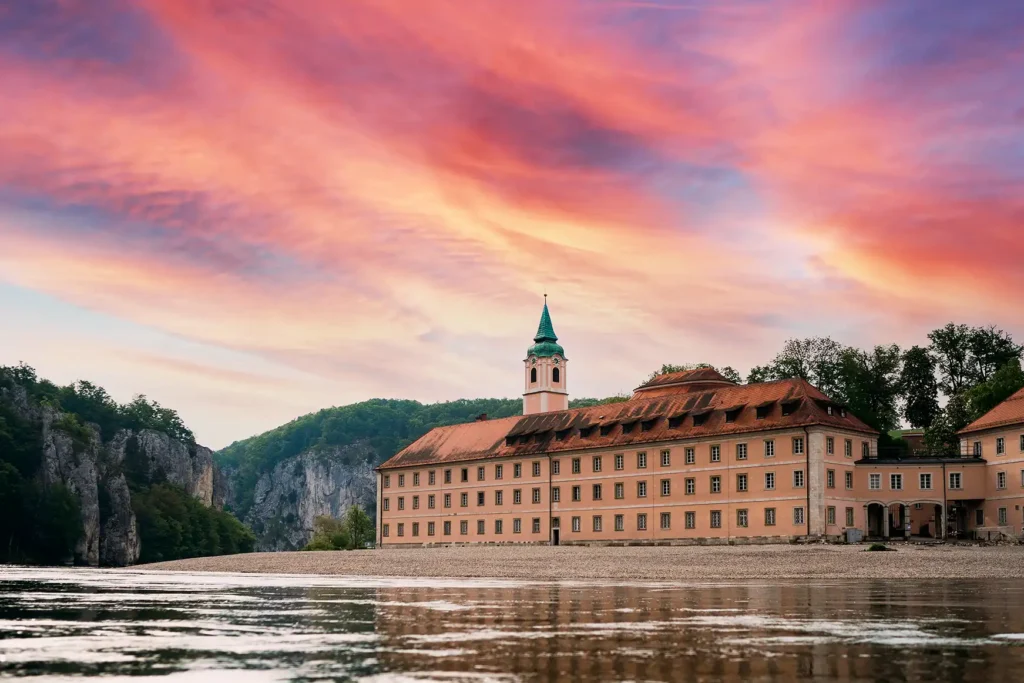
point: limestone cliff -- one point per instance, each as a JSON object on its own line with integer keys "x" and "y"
{"x": 94, "y": 471}
{"x": 323, "y": 481}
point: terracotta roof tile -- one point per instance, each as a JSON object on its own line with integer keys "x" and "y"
{"x": 1009, "y": 412}
{"x": 536, "y": 434}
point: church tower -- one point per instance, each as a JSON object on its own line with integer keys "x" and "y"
{"x": 545, "y": 370}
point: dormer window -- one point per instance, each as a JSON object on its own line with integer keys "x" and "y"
{"x": 648, "y": 425}
{"x": 586, "y": 432}
{"x": 562, "y": 434}
{"x": 676, "y": 422}
{"x": 731, "y": 415}
{"x": 764, "y": 411}
{"x": 627, "y": 427}
{"x": 699, "y": 420}
{"x": 525, "y": 438}
{"x": 510, "y": 441}
{"x": 789, "y": 408}
{"x": 607, "y": 429}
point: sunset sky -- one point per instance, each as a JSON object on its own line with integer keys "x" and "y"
{"x": 251, "y": 209}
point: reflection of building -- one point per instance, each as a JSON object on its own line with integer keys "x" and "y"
{"x": 691, "y": 457}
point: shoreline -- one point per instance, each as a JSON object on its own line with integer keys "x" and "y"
{"x": 649, "y": 563}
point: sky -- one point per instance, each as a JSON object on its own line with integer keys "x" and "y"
{"x": 248, "y": 210}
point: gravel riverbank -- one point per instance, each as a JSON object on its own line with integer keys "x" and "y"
{"x": 662, "y": 563}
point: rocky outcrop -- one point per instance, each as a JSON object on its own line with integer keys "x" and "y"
{"x": 289, "y": 498}
{"x": 74, "y": 455}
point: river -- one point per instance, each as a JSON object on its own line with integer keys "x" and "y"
{"x": 62, "y": 624}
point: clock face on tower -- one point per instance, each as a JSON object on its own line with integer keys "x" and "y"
{"x": 556, "y": 360}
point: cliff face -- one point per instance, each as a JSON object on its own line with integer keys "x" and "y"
{"x": 324, "y": 481}
{"x": 95, "y": 473}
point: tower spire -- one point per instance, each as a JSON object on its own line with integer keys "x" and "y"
{"x": 545, "y": 369}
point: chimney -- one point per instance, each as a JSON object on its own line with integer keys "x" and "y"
{"x": 482, "y": 417}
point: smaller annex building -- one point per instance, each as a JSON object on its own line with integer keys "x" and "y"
{"x": 691, "y": 457}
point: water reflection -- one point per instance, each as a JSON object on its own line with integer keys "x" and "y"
{"x": 267, "y": 628}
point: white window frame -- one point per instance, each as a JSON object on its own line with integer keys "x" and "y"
{"x": 769, "y": 481}
{"x": 798, "y": 479}
{"x": 895, "y": 481}
{"x": 666, "y": 488}
{"x": 769, "y": 448}
{"x": 716, "y": 519}
{"x": 958, "y": 479}
{"x": 716, "y": 483}
{"x": 666, "y": 458}
{"x": 798, "y": 516}
{"x": 641, "y": 489}
{"x": 924, "y": 481}
{"x": 577, "y": 524}
{"x": 1000, "y": 445}
{"x": 875, "y": 481}
{"x": 691, "y": 455}
{"x": 641, "y": 521}
{"x": 798, "y": 445}
{"x": 691, "y": 486}
{"x": 1000, "y": 480}
{"x": 716, "y": 453}
{"x": 741, "y": 451}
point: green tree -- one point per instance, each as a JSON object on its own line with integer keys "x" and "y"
{"x": 817, "y": 360}
{"x": 354, "y": 531}
{"x": 919, "y": 387}
{"x": 869, "y": 382}
{"x": 941, "y": 438}
{"x": 1004, "y": 383}
{"x": 56, "y": 522}
{"x": 668, "y": 368}
{"x": 173, "y": 525}
{"x": 13, "y": 505}
{"x": 968, "y": 356}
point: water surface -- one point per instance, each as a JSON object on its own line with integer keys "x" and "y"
{"x": 75, "y": 624}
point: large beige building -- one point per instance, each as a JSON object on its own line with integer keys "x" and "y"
{"x": 690, "y": 457}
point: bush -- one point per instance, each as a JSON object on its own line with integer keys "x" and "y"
{"x": 350, "y": 533}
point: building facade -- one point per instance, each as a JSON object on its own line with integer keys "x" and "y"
{"x": 690, "y": 457}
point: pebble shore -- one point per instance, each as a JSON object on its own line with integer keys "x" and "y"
{"x": 652, "y": 563}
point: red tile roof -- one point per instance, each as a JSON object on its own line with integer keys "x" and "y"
{"x": 1009, "y": 412}
{"x": 638, "y": 421}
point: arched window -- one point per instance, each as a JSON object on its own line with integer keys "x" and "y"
{"x": 533, "y": 375}
{"x": 555, "y": 374}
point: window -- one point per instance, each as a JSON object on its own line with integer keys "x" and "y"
{"x": 830, "y": 445}
{"x": 556, "y": 376}
{"x": 690, "y": 520}
{"x": 480, "y": 473}
{"x": 481, "y": 529}
{"x": 575, "y": 465}
{"x": 830, "y": 479}
{"x": 741, "y": 482}
{"x": 769, "y": 481}
{"x": 597, "y": 522}
{"x": 401, "y": 502}
{"x": 641, "y": 489}
{"x": 641, "y": 522}
{"x": 874, "y": 482}
{"x": 848, "y": 452}
{"x": 1000, "y": 446}
{"x": 716, "y": 519}
{"x": 849, "y": 480}
{"x": 556, "y": 494}
{"x": 533, "y": 375}
{"x": 769, "y": 516}
{"x": 401, "y": 480}
{"x": 741, "y": 518}
{"x": 556, "y": 467}
{"x": 577, "y": 494}
{"x": 464, "y": 528}
{"x": 415, "y": 502}
{"x": 597, "y": 463}
{"x": 447, "y": 476}
{"x": 620, "y": 522}
{"x": 415, "y": 528}
{"x": 977, "y": 449}
{"x": 716, "y": 484}
{"x": 1022, "y": 443}
{"x": 431, "y": 478}
{"x": 691, "y": 456}
{"x": 925, "y": 481}
{"x": 830, "y": 515}
{"x": 865, "y": 449}
{"x": 576, "y": 525}
{"x": 536, "y": 469}
{"x": 385, "y": 530}
{"x": 517, "y": 526}
{"x": 716, "y": 454}
{"x": 463, "y": 500}
{"x": 666, "y": 487}
{"x": 896, "y": 482}
{"x": 849, "y": 516}
{"x": 597, "y": 492}
{"x": 666, "y": 458}
{"x": 447, "y": 528}
{"x": 620, "y": 461}
{"x": 415, "y": 478}
{"x": 798, "y": 445}
{"x": 691, "y": 486}
{"x": 431, "y": 501}
{"x": 620, "y": 490}
{"x": 1002, "y": 516}
{"x": 666, "y": 520}
{"x": 401, "y": 529}
{"x": 498, "y": 526}
{"x": 798, "y": 479}
{"x": 499, "y": 497}
{"x": 536, "y": 525}
{"x": 517, "y": 470}
{"x": 798, "y": 515}
{"x": 641, "y": 460}
{"x": 535, "y": 496}
{"x": 387, "y": 481}
{"x": 741, "y": 451}
{"x": 979, "y": 517}
{"x": 479, "y": 498}
{"x": 769, "y": 448}
{"x": 499, "y": 471}
{"x": 447, "y": 500}
{"x": 517, "y": 496}
{"x": 387, "y": 504}
{"x": 954, "y": 480}
{"x": 1000, "y": 480}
